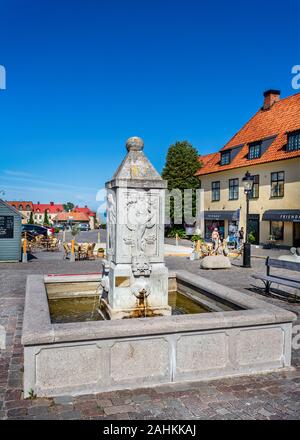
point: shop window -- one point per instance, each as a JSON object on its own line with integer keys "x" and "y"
{"x": 276, "y": 230}
{"x": 210, "y": 225}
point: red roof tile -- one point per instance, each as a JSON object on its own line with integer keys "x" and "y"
{"x": 51, "y": 208}
{"x": 17, "y": 203}
{"x": 77, "y": 216}
{"x": 85, "y": 209}
{"x": 281, "y": 118}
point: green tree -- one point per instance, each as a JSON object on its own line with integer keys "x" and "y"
{"x": 31, "y": 220}
{"x": 69, "y": 206}
{"x": 182, "y": 162}
{"x": 46, "y": 219}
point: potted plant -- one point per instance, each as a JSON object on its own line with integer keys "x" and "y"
{"x": 251, "y": 237}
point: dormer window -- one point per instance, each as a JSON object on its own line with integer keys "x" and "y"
{"x": 254, "y": 151}
{"x": 225, "y": 158}
{"x": 293, "y": 141}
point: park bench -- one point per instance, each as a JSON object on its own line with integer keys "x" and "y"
{"x": 268, "y": 279}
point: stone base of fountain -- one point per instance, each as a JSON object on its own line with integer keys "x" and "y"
{"x": 242, "y": 335}
{"x": 134, "y": 292}
{"x": 137, "y": 312}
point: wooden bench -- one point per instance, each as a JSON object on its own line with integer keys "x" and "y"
{"x": 268, "y": 279}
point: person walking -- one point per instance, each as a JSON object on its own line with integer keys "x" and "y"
{"x": 241, "y": 235}
{"x": 215, "y": 237}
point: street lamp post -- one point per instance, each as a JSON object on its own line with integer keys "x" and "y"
{"x": 248, "y": 185}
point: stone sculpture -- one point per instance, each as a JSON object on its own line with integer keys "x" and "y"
{"x": 135, "y": 278}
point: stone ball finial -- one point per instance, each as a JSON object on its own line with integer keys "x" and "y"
{"x": 134, "y": 143}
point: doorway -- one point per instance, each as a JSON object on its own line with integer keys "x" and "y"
{"x": 253, "y": 225}
{"x": 210, "y": 225}
{"x": 296, "y": 234}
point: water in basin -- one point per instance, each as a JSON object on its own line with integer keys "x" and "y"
{"x": 79, "y": 309}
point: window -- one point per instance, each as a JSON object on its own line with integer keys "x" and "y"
{"x": 254, "y": 151}
{"x": 233, "y": 189}
{"x": 27, "y": 207}
{"x": 255, "y": 189}
{"x": 225, "y": 158}
{"x": 293, "y": 142}
{"x": 20, "y": 208}
{"x": 277, "y": 184}
{"x": 276, "y": 230}
{"x": 215, "y": 191}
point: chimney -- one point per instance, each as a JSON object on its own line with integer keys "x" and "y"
{"x": 271, "y": 96}
{"x": 51, "y": 203}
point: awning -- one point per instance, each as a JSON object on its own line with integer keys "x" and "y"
{"x": 220, "y": 215}
{"x": 283, "y": 215}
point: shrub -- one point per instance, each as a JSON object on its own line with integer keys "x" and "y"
{"x": 197, "y": 237}
{"x": 171, "y": 233}
{"x": 251, "y": 237}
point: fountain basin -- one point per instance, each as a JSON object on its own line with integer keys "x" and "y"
{"x": 242, "y": 335}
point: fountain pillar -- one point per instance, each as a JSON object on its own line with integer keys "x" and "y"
{"x": 135, "y": 278}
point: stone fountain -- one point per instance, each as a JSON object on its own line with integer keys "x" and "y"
{"x": 134, "y": 276}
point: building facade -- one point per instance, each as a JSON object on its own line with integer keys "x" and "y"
{"x": 25, "y": 208}
{"x": 10, "y": 233}
{"x": 268, "y": 146}
{"x": 37, "y": 211}
{"x": 75, "y": 218}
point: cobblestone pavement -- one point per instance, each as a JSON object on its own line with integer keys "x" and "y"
{"x": 268, "y": 396}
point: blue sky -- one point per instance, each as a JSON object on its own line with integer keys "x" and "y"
{"x": 83, "y": 76}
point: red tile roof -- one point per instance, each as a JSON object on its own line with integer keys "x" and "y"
{"x": 281, "y": 118}
{"x": 85, "y": 209}
{"x": 52, "y": 208}
{"x": 77, "y": 216}
{"x": 16, "y": 204}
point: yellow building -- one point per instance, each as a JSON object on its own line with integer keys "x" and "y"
{"x": 25, "y": 208}
{"x": 268, "y": 146}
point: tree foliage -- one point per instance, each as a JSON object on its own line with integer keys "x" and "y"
{"x": 182, "y": 163}
{"x": 46, "y": 218}
{"x": 31, "y": 220}
{"x": 69, "y": 206}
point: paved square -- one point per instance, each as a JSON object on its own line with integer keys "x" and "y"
{"x": 268, "y": 396}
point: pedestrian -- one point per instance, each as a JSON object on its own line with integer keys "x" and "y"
{"x": 215, "y": 237}
{"x": 241, "y": 236}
